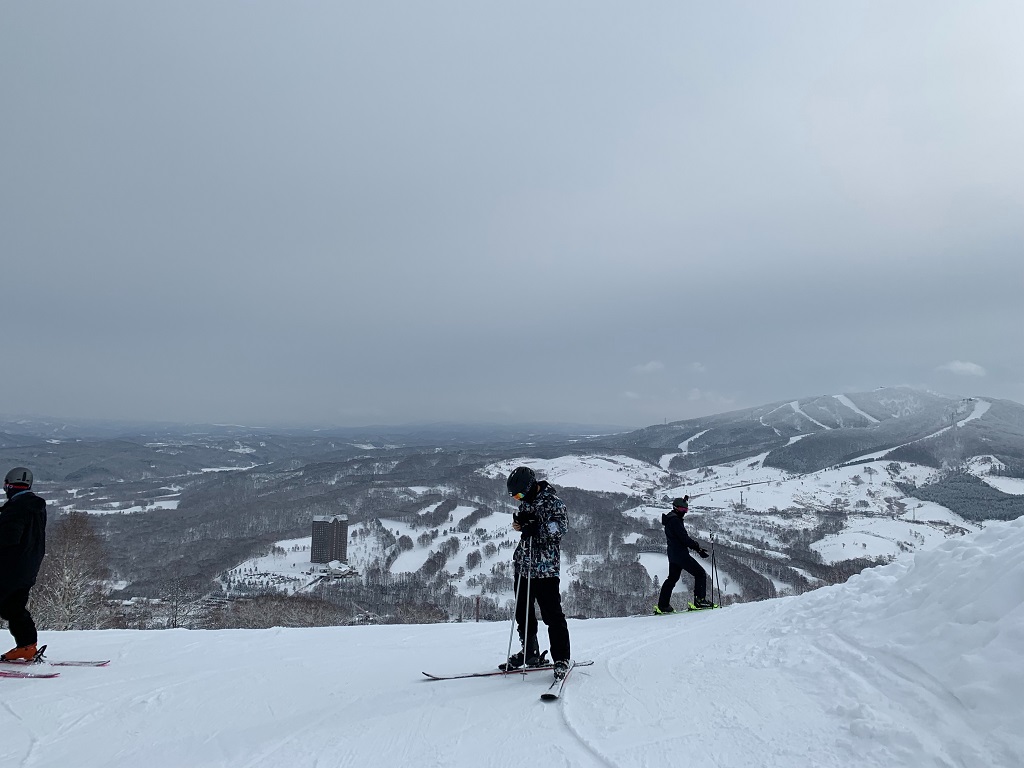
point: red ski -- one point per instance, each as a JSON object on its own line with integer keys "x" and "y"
{"x": 18, "y": 673}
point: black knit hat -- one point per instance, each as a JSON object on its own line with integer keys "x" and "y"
{"x": 681, "y": 503}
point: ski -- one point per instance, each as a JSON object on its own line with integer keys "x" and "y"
{"x": 501, "y": 673}
{"x": 689, "y": 607}
{"x": 658, "y": 612}
{"x": 692, "y": 607}
{"x": 17, "y": 673}
{"x": 554, "y": 691}
{"x": 496, "y": 673}
{"x": 38, "y": 659}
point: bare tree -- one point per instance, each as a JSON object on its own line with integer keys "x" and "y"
{"x": 183, "y": 601}
{"x": 69, "y": 593}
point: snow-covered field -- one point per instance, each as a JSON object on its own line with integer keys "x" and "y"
{"x": 1013, "y": 485}
{"x": 116, "y": 509}
{"x": 917, "y": 663}
{"x": 610, "y": 474}
{"x": 91, "y": 503}
{"x": 288, "y": 569}
{"x": 883, "y": 520}
{"x": 292, "y": 571}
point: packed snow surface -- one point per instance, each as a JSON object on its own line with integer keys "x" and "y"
{"x": 916, "y": 663}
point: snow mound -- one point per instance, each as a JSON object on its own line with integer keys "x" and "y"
{"x": 955, "y": 613}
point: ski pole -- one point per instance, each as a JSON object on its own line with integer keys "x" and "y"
{"x": 711, "y": 536}
{"x": 528, "y": 612}
{"x": 714, "y": 573}
{"x": 515, "y": 611}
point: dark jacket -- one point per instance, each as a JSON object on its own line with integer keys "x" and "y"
{"x": 22, "y": 541}
{"x": 539, "y": 552}
{"x": 679, "y": 541}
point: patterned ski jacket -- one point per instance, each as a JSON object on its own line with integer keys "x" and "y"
{"x": 539, "y": 556}
{"x": 679, "y": 541}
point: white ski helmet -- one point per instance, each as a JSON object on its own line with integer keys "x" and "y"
{"x": 19, "y": 477}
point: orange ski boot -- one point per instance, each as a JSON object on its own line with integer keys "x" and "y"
{"x": 23, "y": 653}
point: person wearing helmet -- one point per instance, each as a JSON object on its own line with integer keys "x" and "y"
{"x": 680, "y": 559}
{"x": 542, "y": 521}
{"x": 22, "y": 544}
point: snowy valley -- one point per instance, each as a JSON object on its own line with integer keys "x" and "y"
{"x": 777, "y": 531}
{"x": 212, "y": 528}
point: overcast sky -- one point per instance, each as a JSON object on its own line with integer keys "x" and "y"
{"x": 353, "y": 213}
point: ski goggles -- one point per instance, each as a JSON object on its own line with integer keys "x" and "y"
{"x": 518, "y": 496}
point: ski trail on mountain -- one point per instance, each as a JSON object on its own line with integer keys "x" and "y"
{"x": 853, "y": 407}
{"x": 795, "y": 406}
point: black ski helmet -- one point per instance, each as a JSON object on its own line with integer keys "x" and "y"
{"x": 19, "y": 477}
{"x": 521, "y": 480}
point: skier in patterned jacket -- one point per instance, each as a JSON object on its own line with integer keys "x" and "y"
{"x": 542, "y": 521}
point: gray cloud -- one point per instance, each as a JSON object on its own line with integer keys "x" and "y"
{"x": 962, "y": 368}
{"x": 654, "y": 366}
{"x": 341, "y": 214}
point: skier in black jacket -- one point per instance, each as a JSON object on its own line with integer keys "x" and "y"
{"x": 680, "y": 559}
{"x": 22, "y": 544}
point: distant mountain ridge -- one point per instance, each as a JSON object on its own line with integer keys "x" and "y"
{"x": 18, "y": 429}
{"x": 813, "y": 433}
{"x": 799, "y": 493}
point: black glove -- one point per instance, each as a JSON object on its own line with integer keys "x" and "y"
{"x": 703, "y": 553}
{"x": 529, "y": 525}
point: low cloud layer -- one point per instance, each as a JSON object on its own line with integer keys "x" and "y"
{"x": 961, "y": 368}
{"x": 338, "y": 214}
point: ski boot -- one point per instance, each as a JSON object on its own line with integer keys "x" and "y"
{"x": 701, "y": 603}
{"x": 530, "y": 656}
{"x": 24, "y": 654}
{"x": 561, "y": 669}
{"x": 659, "y": 611}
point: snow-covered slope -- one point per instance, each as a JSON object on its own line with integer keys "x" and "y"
{"x": 738, "y": 500}
{"x": 918, "y": 663}
{"x": 605, "y": 474}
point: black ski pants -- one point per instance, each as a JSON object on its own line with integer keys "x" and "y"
{"x": 675, "y": 569}
{"x": 545, "y": 593}
{"x": 19, "y": 620}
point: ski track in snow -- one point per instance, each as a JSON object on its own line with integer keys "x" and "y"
{"x": 878, "y": 676}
